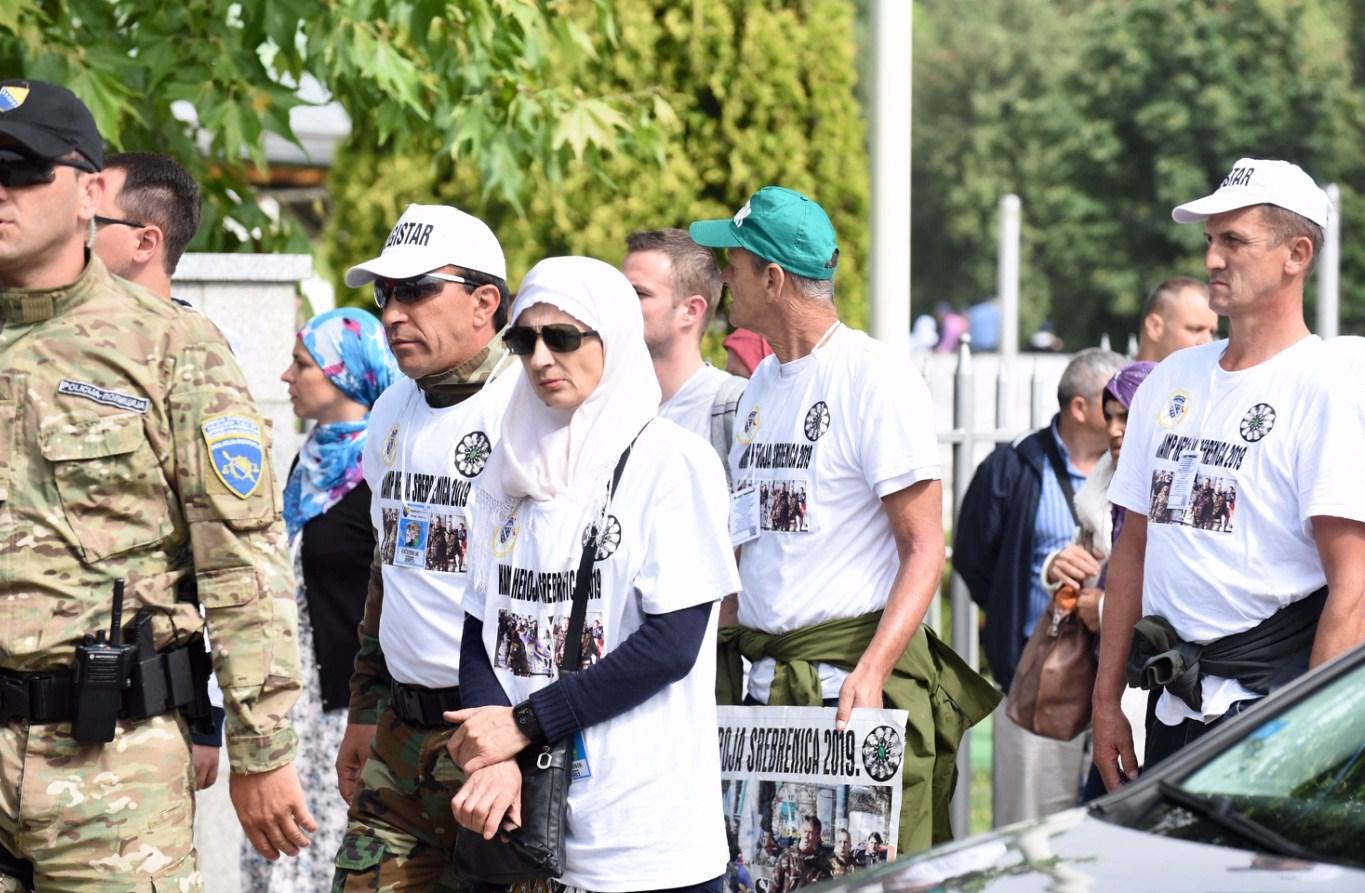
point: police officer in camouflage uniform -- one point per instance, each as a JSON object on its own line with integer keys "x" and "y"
{"x": 441, "y": 287}
{"x": 129, "y": 449}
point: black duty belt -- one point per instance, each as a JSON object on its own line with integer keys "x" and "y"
{"x": 420, "y": 706}
{"x": 40, "y": 698}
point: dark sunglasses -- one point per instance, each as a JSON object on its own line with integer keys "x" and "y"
{"x": 560, "y": 338}
{"x": 34, "y": 173}
{"x": 116, "y": 221}
{"x": 410, "y": 291}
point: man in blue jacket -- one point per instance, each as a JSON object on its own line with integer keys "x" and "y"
{"x": 1014, "y": 515}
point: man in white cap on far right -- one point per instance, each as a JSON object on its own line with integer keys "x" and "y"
{"x": 1242, "y": 561}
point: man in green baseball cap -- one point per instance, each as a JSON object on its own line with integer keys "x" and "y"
{"x": 780, "y": 225}
{"x": 835, "y": 469}
{"x": 781, "y": 243}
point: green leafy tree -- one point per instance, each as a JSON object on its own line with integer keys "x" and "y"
{"x": 470, "y": 80}
{"x": 1102, "y": 117}
{"x": 746, "y": 93}
{"x": 990, "y": 117}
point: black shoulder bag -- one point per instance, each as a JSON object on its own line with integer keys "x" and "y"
{"x": 536, "y": 849}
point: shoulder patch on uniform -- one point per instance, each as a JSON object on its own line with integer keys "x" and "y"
{"x": 236, "y": 451}
{"x": 73, "y": 388}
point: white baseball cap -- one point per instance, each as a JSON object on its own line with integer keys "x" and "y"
{"x": 428, "y": 237}
{"x": 1255, "y": 181}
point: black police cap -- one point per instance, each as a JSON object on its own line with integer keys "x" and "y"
{"x": 48, "y": 121}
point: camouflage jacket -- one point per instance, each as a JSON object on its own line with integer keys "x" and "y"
{"x": 130, "y": 447}
{"x": 370, "y": 679}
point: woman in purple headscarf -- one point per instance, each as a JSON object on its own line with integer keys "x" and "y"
{"x": 1099, "y": 529}
{"x": 1118, "y": 397}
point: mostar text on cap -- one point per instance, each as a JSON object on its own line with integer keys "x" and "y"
{"x": 409, "y": 234}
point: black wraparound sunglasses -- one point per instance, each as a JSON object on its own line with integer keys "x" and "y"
{"x": 559, "y": 337}
{"x": 410, "y": 291}
{"x": 35, "y": 172}
{"x": 117, "y": 221}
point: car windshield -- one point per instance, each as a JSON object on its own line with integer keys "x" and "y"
{"x": 1299, "y": 775}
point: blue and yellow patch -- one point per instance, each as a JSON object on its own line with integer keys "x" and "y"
{"x": 12, "y": 96}
{"x": 1176, "y": 408}
{"x": 236, "y": 452}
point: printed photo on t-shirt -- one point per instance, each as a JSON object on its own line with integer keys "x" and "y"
{"x": 593, "y": 640}
{"x": 524, "y": 645}
{"x": 390, "y": 538}
{"x": 1209, "y": 504}
{"x": 423, "y": 540}
{"x": 447, "y": 545}
{"x": 782, "y": 506}
{"x": 530, "y": 645}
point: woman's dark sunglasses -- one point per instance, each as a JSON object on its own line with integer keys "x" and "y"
{"x": 560, "y": 338}
{"x": 34, "y": 173}
{"x": 410, "y": 291}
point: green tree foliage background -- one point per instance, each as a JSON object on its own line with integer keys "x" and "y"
{"x": 474, "y": 80}
{"x": 1102, "y": 116}
{"x": 753, "y": 91}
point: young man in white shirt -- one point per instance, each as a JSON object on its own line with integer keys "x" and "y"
{"x": 1239, "y": 475}
{"x": 441, "y": 286}
{"x": 679, "y": 288}
{"x": 836, "y": 474}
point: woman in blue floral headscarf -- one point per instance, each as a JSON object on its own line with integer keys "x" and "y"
{"x": 341, "y": 365}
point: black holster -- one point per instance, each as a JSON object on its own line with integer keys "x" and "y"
{"x": 19, "y": 869}
{"x": 167, "y": 680}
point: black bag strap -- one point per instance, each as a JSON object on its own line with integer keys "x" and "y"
{"x": 1054, "y": 456}
{"x": 573, "y": 637}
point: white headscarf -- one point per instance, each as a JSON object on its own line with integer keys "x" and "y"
{"x": 549, "y": 454}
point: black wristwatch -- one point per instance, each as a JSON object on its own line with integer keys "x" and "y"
{"x": 524, "y": 715}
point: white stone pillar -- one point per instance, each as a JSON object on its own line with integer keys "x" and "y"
{"x": 254, "y": 300}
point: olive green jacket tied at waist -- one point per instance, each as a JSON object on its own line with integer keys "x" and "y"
{"x": 944, "y": 697}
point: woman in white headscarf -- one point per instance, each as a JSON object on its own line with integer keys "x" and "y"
{"x": 642, "y": 709}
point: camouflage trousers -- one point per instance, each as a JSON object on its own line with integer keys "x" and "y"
{"x": 100, "y": 818}
{"x": 400, "y": 832}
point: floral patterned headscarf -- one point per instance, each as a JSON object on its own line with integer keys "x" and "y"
{"x": 350, "y": 348}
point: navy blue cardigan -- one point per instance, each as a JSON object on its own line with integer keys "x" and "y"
{"x": 993, "y": 545}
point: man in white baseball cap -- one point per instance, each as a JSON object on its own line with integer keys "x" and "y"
{"x": 429, "y": 250}
{"x": 441, "y": 287}
{"x": 1255, "y": 181}
{"x": 1242, "y": 561}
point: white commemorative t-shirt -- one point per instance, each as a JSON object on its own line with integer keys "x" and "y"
{"x": 648, "y": 816}
{"x": 691, "y": 405}
{"x": 422, "y": 465}
{"x": 823, "y": 439}
{"x": 1230, "y": 468}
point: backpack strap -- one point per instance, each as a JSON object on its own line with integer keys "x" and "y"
{"x": 723, "y": 411}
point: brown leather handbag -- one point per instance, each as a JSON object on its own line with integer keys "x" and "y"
{"x": 1050, "y": 695}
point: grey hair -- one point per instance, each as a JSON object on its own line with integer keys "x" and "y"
{"x": 812, "y": 289}
{"x": 1086, "y": 374}
{"x": 1286, "y": 224}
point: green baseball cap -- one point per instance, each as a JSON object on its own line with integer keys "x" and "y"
{"x": 779, "y": 225}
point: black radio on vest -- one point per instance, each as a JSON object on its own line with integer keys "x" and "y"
{"x": 102, "y": 667}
